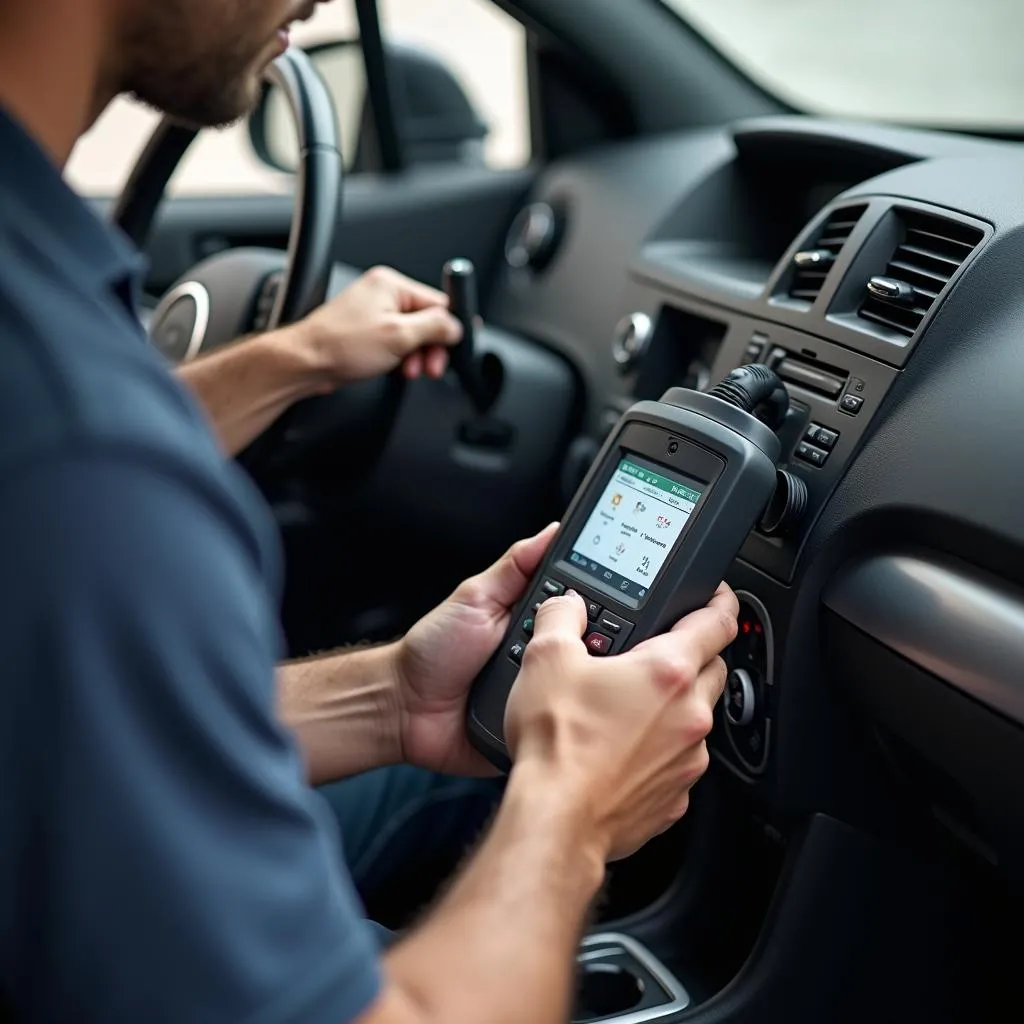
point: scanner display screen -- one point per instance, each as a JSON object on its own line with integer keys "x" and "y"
{"x": 634, "y": 525}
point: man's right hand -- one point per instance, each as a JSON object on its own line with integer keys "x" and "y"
{"x": 606, "y": 750}
{"x": 623, "y": 736}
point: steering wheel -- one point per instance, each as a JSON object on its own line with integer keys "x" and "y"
{"x": 242, "y": 290}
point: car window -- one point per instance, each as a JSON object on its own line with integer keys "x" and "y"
{"x": 481, "y": 45}
{"x": 945, "y": 63}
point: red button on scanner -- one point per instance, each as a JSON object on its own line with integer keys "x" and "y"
{"x": 598, "y": 643}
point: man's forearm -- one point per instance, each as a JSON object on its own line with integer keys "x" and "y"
{"x": 344, "y": 710}
{"x": 246, "y": 386}
{"x": 500, "y": 948}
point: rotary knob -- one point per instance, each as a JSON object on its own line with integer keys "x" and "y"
{"x": 739, "y": 698}
{"x": 631, "y": 340}
{"x": 531, "y": 239}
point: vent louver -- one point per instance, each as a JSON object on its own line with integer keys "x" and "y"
{"x": 930, "y": 252}
{"x": 811, "y": 266}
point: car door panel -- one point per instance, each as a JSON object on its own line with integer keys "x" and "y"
{"x": 414, "y": 222}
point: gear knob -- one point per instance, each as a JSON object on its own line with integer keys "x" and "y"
{"x": 459, "y": 282}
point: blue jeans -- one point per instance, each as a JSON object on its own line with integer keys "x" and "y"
{"x": 395, "y": 821}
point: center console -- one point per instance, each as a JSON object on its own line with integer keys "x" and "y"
{"x": 619, "y": 980}
{"x": 836, "y": 316}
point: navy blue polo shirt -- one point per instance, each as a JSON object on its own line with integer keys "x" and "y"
{"x": 161, "y": 857}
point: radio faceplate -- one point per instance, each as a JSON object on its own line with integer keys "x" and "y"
{"x": 835, "y": 393}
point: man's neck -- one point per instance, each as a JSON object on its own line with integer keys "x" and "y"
{"x": 51, "y": 80}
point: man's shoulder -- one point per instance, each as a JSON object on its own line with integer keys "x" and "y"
{"x": 78, "y": 369}
{"x": 78, "y": 377}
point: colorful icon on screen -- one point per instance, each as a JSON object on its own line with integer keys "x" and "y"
{"x": 663, "y": 522}
{"x": 616, "y": 500}
{"x": 639, "y": 507}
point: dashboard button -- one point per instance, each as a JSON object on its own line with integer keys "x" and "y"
{"x": 593, "y": 611}
{"x": 516, "y": 651}
{"x": 851, "y": 404}
{"x": 826, "y": 438}
{"x": 598, "y": 644}
{"x": 808, "y": 453}
{"x": 552, "y": 588}
{"x": 756, "y": 347}
{"x": 751, "y": 743}
{"x": 611, "y": 626}
{"x": 821, "y": 436}
{"x": 528, "y": 625}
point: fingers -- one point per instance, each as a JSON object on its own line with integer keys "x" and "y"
{"x": 435, "y": 362}
{"x": 414, "y": 296}
{"x": 711, "y": 681}
{"x": 412, "y": 366}
{"x": 433, "y": 326}
{"x": 562, "y": 617}
{"x": 698, "y": 638}
{"x": 432, "y": 361}
{"x": 693, "y": 641}
{"x": 726, "y": 599}
{"x": 410, "y": 296}
{"x": 504, "y": 582}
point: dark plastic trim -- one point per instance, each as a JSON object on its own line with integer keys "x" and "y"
{"x": 962, "y": 626}
{"x": 135, "y": 210}
{"x": 380, "y": 87}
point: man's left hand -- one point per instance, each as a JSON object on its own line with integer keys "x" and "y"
{"x": 438, "y": 659}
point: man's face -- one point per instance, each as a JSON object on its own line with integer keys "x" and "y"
{"x": 201, "y": 60}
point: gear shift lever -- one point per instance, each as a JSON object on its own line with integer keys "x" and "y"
{"x": 459, "y": 281}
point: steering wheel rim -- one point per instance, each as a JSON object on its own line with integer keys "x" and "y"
{"x": 240, "y": 277}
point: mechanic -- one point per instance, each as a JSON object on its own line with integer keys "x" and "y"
{"x": 163, "y": 856}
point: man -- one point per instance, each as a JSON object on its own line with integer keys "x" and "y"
{"x": 162, "y": 857}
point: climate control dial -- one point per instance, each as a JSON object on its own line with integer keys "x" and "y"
{"x": 740, "y": 700}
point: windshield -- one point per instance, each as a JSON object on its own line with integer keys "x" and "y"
{"x": 944, "y": 63}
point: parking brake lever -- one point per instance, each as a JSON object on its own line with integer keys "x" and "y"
{"x": 481, "y": 379}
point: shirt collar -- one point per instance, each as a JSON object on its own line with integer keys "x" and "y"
{"x": 37, "y": 197}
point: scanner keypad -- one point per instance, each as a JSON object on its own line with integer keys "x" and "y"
{"x": 606, "y": 632}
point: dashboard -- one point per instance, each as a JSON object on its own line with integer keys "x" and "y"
{"x": 878, "y": 271}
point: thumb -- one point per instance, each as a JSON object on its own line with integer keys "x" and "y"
{"x": 503, "y": 582}
{"x": 564, "y": 616}
{"x": 434, "y": 326}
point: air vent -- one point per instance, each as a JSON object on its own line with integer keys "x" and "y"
{"x": 811, "y": 266}
{"x": 930, "y": 252}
